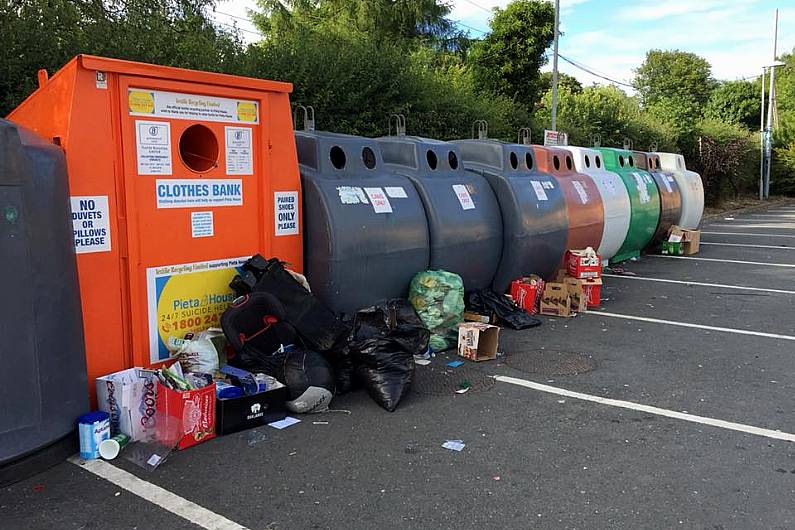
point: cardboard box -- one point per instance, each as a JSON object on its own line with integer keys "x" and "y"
{"x": 247, "y": 412}
{"x": 691, "y": 241}
{"x": 130, "y": 397}
{"x": 556, "y": 300}
{"x": 470, "y": 316}
{"x": 478, "y": 341}
{"x": 585, "y": 263}
{"x": 194, "y": 411}
{"x": 526, "y": 293}
{"x": 593, "y": 291}
{"x": 578, "y": 294}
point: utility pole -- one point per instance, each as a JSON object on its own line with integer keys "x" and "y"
{"x": 770, "y": 103}
{"x": 555, "y": 68}
{"x": 762, "y": 139}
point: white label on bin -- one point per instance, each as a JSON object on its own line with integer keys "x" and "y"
{"x": 153, "y": 147}
{"x": 396, "y": 192}
{"x": 464, "y": 198}
{"x": 91, "y": 224}
{"x": 581, "y": 191}
{"x": 667, "y": 185}
{"x": 239, "y": 152}
{"x": 285, "y": 211}
{"x": 161, "y": 104}
{"x": 642, "y": 190}
{"x": 192, "y": 193}
{"x": 538, "y": 187}
{"x": 351, "y": 195}
{"x": 201, "y": 224}
{"x": 548, "y": 185}
{"x": 379, "y": 200}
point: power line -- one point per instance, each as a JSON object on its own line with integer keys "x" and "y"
{"x": 459, "y": 23}
{"x": 593, "y": 73}
{"x": 486, "y": 9}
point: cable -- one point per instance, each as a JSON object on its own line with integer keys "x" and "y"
{"x": 590, "y": 71}
{"x": 487, "y": 10}
{"x": 459, "y": 23}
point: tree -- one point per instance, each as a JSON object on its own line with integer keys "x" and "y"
{"x": 508, "y": 60}
{"x": 565, "y": 81}
{"x": 671, "y": 75}
{"x": 46, "y": 34}
{"x": 674, "y": 88}
{"x": 395, "y": 19}
{"x": 735, "y": 102}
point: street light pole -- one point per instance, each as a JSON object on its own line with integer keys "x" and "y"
{"x": 555, "y": 68}
{"x": 762, "y": 139}
{"x": 771, "y": 99}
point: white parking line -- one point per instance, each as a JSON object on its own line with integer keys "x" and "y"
{"x": 689, "y": 325}
{"x": 749, "y": 224}
{"x": 700, "y": 284}
{"x": 745, "y": 234}
{"x": 776, "y": 247}
{"x": 783, "y": 215}
{"x": 740, "y": 427}
{"x": 741, "y": 262}
{"x": 163, "y": 498}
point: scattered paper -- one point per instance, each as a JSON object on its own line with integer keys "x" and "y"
{"x": 154, "y": 460}
{"x": 454, "y": 445}
{"x": 455, "y": 364}
{"x": 286, "y": 422}
{"x": 422, "y": 362}
{"x": 462, "y": 390}
{"x": 319, "y": 423}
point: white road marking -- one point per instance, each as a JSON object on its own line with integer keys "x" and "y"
{"x": 741, "y": 262}
{"x": 747, "y": 246}
{"x": 783, "y": 215}
{"x": 689, "y": 325}
{"x": 740, "y": 427}
{"x": 747, "y": 223}
{"x": 163, "y": 498}
{"x": 746, "y": 234}
{"x": 700, "y": 284}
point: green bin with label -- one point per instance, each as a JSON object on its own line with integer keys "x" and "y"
{"x": 643, "y": 197}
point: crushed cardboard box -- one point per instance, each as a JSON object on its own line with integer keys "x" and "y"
{"x": 478, "y": 341}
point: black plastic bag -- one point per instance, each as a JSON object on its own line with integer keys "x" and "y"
{"x": 486, "y": 301}
{"x": 255, "y": 328}
{"x": 318, "y": 326}
{"x": 383, "y": 343}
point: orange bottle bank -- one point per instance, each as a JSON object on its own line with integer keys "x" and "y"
{"x": 176, "y": 177}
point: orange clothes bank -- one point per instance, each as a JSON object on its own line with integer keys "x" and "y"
{"x": 176, "y": 177}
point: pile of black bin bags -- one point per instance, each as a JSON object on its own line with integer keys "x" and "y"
{"x": 276, "y": 326}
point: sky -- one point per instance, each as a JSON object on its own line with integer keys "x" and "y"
{"x": 611, "y": 37}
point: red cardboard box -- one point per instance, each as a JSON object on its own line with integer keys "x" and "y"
{"x": 593, "y": 291}
{"x": 526, "y": 293}
{"x": 194, "y": 411}
{"x": 583, "y": 264}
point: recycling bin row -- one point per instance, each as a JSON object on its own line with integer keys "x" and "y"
{"x": 377, "y": 211}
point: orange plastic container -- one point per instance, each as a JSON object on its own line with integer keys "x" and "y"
{"x": 583, "y": 202}
{"x": 176, "y": 177}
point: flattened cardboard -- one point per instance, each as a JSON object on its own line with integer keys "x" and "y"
{"x": 478, "y": 341}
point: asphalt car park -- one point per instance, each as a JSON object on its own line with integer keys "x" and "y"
{"x": 671, "y": 406}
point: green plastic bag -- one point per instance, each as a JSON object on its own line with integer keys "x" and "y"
{"x": 438, "y": 297}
